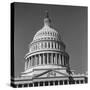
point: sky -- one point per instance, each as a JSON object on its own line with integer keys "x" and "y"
{"x": 69, "y": 21}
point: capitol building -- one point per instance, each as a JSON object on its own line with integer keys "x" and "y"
{"x": 47, "y": 62}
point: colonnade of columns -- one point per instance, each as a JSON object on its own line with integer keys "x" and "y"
{"x": 46, "y": 58}
{"x": 47, "y": 44}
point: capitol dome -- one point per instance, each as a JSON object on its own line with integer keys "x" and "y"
{"x": 46, "y": 38}
{"x": 46, "y": 51}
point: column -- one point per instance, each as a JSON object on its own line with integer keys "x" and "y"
{"x": 47, "y": 44}
{"x": 49, "y": 61}
{"x": 47, "y": 58}
{"x": 53, "y": 44}
{"x": 35, "y": 60}
{"x": 59, "y": 61}
{"x": 67, "y": 81}
{"x": 65, "y": 60}
{"x": 59, "y": 46}
{"x": 53, "y": 83}
{"x": 62, "y": 59}
{"x": 39, "y": 59}
{"x": 43, "y": 44}
{"x": 55, "y": 58}
{"x": 56, "y": 45}
{"x": 43, "y": 58}
{"x": 29, "y": 63}
{"x": 68, "y": 61}
{"x": 31, "y": 60}
{"x": 25, "y": 65}
{"x": 50, "y": 44}
{"x": 51, "y": 58}
{"x": 62, "y": 82}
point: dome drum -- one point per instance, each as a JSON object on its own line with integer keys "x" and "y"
{"x": 48, "y": 59}
{"x": 47, "y": 45}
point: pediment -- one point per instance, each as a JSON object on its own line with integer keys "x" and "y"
{"x": 51, "y": 73}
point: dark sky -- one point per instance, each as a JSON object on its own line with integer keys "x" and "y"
{"x": 69, "y": 21}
